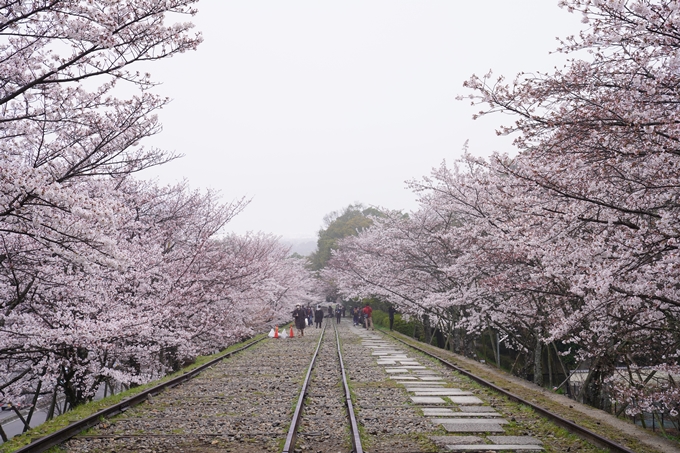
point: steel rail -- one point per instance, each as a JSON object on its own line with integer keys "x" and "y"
{"x": 42, "y": 444}
{"x": 289, "y": 445}
{"x": 570, "y": 426}
{"x": 354, "y": 426}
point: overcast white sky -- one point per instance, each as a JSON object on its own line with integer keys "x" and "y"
{"x": 307, "y": 106}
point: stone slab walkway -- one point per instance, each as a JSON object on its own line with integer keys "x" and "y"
{"x": 456, "y": 410}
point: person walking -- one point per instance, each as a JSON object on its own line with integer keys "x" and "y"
{"x": 300, "y": 317}
{"x": 310, "y": 315}
{"x": 338, "y": 313}
{"x": 318, "y": 316}
{"x": 355, "y": 316}
{"x": 390, "y": 312}
{"x": 368, "y": 316}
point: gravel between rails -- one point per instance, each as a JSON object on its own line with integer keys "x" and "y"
{"x": 243, "y": 404}
{"x": 324, "y": 426}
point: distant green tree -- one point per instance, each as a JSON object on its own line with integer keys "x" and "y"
{"x": 349, "y": 222}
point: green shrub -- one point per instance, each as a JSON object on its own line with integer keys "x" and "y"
{"x": 380, "y": 319}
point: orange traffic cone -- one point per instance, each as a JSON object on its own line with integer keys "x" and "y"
{"x": 291, "y": 332}
{"x": 276, "y": 332}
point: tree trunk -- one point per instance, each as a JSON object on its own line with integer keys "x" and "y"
{"x": 33, "y": 405}
{"x": 53, "y": 404}
{"x": 538, "y": 362}
{"x": 586, "y": 395}
{"x": 550, "y": 373}
{"x": 493, "y": 336}
{"x": 21, "y": 417}
{"x": 426, "y": 328}
{"x": 567, "y": 374}
{"x": 497, "y": 347}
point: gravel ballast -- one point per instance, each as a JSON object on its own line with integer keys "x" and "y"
{"x": 245, "y": 404}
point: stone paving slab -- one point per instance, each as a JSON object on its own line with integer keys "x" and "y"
{"x": 429, "y": 384}
{"x": 473, "y": 428}
{"x": 423, "y": 386}
{"x": 468, "y": 421}
{"x": 486, "y": 447}
{"x": 396, "y": 370}
{"x": 479, "y": 409}
{"x": 427, "y": 387}
{"x": 516, "y": 440}
{"x": 455, "y": 440}
{"x": 442, "y": 392}
{"x": 437, "y": 411}
{"x": 427, "y": 400}
{"x": 463, "y": 400}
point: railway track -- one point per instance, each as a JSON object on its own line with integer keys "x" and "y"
{"x": 239, "y": 404}
{"x": 324, "y": 414}
{"x": 570, "y": 426}
{"x": 337, "y": 389}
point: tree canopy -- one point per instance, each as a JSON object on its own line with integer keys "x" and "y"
{"x": 573, "y": 239}
{"x": 104, "y": 277}
{"x": 339, "y": 224}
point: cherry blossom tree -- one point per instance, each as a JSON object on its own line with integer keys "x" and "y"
{"x": 54, "y": 129}
{"x": 176, "y": 290}
{"x": 62, "y": 131}
{"x": 459, "y": 259}
{"x": 600, "y": 138}
{"x": 574, "y": 239}
{"x": 104, "y": 277}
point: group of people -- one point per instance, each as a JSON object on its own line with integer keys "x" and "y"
{"x": 363, "y": 316}
{"x": 304, "y": 316}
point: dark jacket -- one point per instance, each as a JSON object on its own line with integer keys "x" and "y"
{"x": 299, "y": 317}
